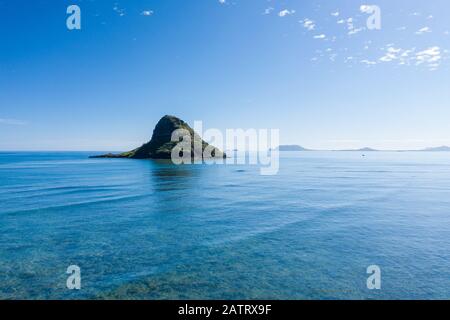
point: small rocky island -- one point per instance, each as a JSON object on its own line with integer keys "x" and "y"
{"x": 161, "y": 145}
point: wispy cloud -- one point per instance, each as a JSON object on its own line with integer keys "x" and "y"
{"x": 268, "y": 10}
{"x": 119, "y": 11}
{"x": 147, "y": 13}
{"x": 13, "y": 122}
{"x": 368, "y": 62}
{"x": 365, "y": 8}
{"x": 424, "y": 30}
{"x": 355, "y": 31}
{"x": 430, "y": 57}
{"x": 308, "y": 24}
{"x": 285, "y": 12}
{"x": 390, "y": 55}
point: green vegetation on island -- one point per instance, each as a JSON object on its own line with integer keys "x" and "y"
{"x": 161, "y": 144}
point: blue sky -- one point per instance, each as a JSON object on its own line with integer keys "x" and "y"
{"x": 309, "y": 68}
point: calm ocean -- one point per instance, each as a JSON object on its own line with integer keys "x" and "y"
{"x": 143, "y": 229}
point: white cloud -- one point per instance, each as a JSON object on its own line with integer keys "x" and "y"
{"x": 222, "y": 1}
{"x": 355, "y": 31}
{"x": 333, "y": 56}
{"x": 368, "y": 62}
{"x": 308, "y": 24}
{"x": 285, "y": 12}
{"x": 147, "y": 13}
{"x": 394, "y": 50}
{"x": 268, "y": 10}
{"x": 430, "y": 56}
{"x": 406, "y": 53}
{"x": 393, "y": 54}
{"x": 350, "y": 25}
{"x": 335, "y": 14}
{"x": 119, "y": 11}
{"x": 387, "y": 58}
{"x": 320, "y": 36}
{"x": 365, "y": 8}
{"x": 423, "y": 30}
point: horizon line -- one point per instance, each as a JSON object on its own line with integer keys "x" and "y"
{"x": 364, "y": 149}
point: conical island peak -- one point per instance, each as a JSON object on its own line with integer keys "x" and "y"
{"x": 160, "y": 146}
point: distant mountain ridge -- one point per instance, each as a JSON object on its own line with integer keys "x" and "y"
{"x": 291, "y": 148}
{"x": 437, "y": 149}
{"x": 366, "y": 149}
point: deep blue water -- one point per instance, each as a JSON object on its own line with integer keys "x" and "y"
{"x": 148, "y": 229}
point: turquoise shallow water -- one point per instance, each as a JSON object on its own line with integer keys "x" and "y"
{"x": 146, "y": 229}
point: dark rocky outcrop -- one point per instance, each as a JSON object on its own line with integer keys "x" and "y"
{"x": 160, "y": 146}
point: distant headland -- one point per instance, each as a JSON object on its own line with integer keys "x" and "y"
{"x": 160, "y": 146}
{"x": 437, "y": 149}
{"x": 291, "y": 148}
{"x": 366, "y": 149}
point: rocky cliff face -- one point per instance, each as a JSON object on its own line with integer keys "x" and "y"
{"x": 160, "y": 146}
